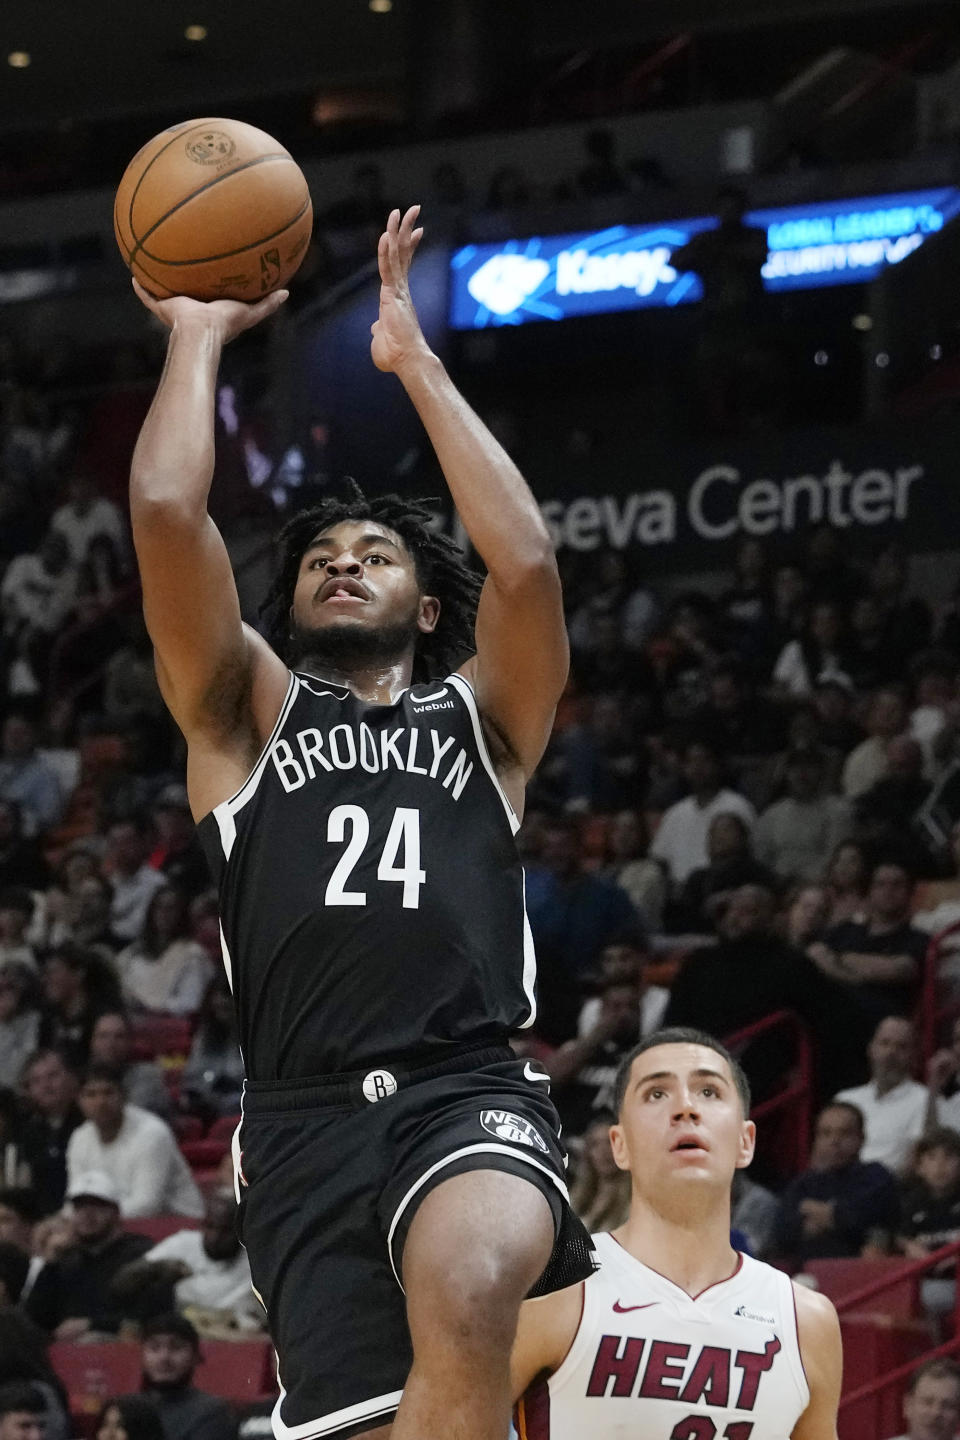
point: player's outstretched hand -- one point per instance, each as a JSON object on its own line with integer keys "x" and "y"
{"x": 229, "y": 317}
{"x": 397, "y": 336}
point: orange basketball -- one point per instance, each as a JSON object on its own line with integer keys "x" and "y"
{"x": 213, "y": 209}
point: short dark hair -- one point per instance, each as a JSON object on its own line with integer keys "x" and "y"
{"x": 103, "y": 1074}
{"x": 941, "y": 1137}
{"x": 680, "y": 1035}
{"x": 440, "y": 565}
{"x": 851, "y": 1109}
{"x": 942, "y": 1369}
{"x": 139, "y": 1415}
{"x": 18, "y": 1395}
{"x": 14, "y": 1269}
{"x": 172, "y": 1324}
{"x": 23, "y": 1201}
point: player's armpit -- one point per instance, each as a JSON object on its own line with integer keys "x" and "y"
{"x": 522, "y": 658}
{"x": 546, "y": 1330}
{"x": 820, "y": 1349}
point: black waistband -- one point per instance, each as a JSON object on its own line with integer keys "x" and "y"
{"x": 362, "y": 1087}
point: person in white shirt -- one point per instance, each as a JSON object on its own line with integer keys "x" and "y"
{"x": 207, "y": 1269}
{"x": 943, "y": 1081}
{"x": 134, "y": 881}
{"x": 867, "y": 763}
{"x": 136, "y": 1149}
{"x": 678, "y": 1334}
{"x": 894, "y": 1107}
{"x": 87, "y": 515}
{"x": 931, "y": 1406}
{"x": 681, "y": 838}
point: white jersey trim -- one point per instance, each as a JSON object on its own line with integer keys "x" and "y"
{"x": 470, "y": 700}
{"x": 378, "y": 1408}
{"x": 529, "y": 959}
{"x": 796, "y": 1356}
{"x": 227, "y": 809}
{"x": 481, "y": 1149}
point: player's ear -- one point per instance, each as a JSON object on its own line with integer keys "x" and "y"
{"x": 429, "y": 614}
{"x": 618, "y": 1144}
{"x": 748, "y": 1143}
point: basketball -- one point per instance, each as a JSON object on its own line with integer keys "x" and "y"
{"x": 213, "y": 209}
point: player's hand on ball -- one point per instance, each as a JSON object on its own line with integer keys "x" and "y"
{"x": 397, "y": 336}
{"x": 229, "y": 317}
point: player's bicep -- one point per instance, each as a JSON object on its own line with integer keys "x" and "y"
{"x": 522, "y": 659}
{"x": 191, "y": 609}
{"x": 820, "y": 1349}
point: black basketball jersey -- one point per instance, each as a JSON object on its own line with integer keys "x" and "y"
{"x": 371, "y": 894}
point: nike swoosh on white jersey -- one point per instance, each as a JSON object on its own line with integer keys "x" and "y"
{"x": 535, "y": 1074}
{"x": 422, "y": 699}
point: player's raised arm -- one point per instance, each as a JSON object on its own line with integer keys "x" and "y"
{"x": 189, "y": 595}
{"x": 819, "y": 1335}
{"x": 521, "y": 664}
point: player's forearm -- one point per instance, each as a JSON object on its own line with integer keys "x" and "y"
{"x": 174, "y": 455}
{"x": 494, "y": 501}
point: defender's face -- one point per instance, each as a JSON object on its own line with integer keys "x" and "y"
{"x": 359, "y": 573}
{"x": 681, "y": 1123}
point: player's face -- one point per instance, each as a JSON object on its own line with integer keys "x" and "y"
{"x": 358, "y": 576}
{"x": 681, "y": 1123}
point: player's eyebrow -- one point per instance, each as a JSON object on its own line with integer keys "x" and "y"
{"x": 320, "y": 540}
{"x": 702, "y": 1073}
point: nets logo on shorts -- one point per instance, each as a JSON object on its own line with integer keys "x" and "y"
{"x": 507, "y": 1126}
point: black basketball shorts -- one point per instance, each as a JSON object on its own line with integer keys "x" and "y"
{"x": 329, "y": 1177}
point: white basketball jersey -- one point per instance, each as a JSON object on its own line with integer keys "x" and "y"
{"x": 650, "y": 1363}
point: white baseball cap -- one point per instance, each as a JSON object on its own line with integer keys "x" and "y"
{"x": 94, "y": 1185}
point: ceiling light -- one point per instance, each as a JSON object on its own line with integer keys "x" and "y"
{"x": 381, "y": 7}
{"x": 862, "y": 322}
{"x": 195, "y": 32}
{"x": 19, "y": 59}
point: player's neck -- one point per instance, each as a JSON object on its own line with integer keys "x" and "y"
{"x": 378, "y": 683}
{"x": 692, "y": 1248}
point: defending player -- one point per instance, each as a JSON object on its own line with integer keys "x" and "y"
{"x": 361, "y": 826}
{"x": 678, "y": 1336}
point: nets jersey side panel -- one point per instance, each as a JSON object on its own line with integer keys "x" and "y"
{"x": 649, "y": 1360}
{"x": 371, "y": 893}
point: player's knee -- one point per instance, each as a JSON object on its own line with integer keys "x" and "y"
{"x": 480, "y": 1294}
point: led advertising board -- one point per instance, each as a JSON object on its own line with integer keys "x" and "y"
{"x": 627, "y": 267}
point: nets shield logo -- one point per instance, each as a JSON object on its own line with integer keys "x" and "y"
{"x": 507, "y": 1126}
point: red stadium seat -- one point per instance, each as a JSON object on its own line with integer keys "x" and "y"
{"x": 92, "y": 1372}
{"x": 158, "y": 1227}
{"x": 204, "y": 1154}
{"x": 237, "y": 1370}
{"x": 840, "y": 1278}
{"x": 187, "y": 1127}
{"x": 161, "y": 1035}
{"x": 223, "y": 1128}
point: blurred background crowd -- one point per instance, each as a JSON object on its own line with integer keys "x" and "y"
{"x": 748, "y": 816}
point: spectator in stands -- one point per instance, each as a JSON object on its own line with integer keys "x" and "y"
{"x": 51, "y": 1085}
{"x": 708, "y": 890}
{"x": 178, "y": 852}
{"x": 746, "y": 605}
{"x": 930, "y": 1214}
{"x": 72, "y": 1296}
{"x": 793, "y": 834}
{"x": 21, "y": 859}
{"x": 931, "y": 1406}
{"x": 870, "y": 666}
{"x": 19, "y": 1217}
{"x": 907, "y": 623}
{"x": 111, "y": 1042}
{"x": 604, "y": 768}
{"x": 25, "y": 777}
{"x": 129, "y": 1417}
{"x": 878, "y": 959}
{"x": 820, "y": 653}
{"x": 79, "y": 984}
{"x": 583, "y": 1070}
{"x": 629, "y": 866}
{"x": 893, "y": 1105}
{"x": 134, "y": 881}
{"x": 134, "y": 1148}
{"x": 91, "y": 921}
{"x": 943, "y": 1082}
{"x": 833, "y": 699}
{"x": 212, "y": 1080}
{"x": 23, "y": 1413}
{"x": 205, "y": 1269}
{"x": 806, "y": 916}
{"x": 847, "y": 877}
{"x": 934, "y": 675}
{"x": 19, "y": 1020}
{"x": 38, "y": 595}
{"x": 684, "y": 653}
{"x": 831, "y": 1208}
{"x": 681, "y": 839}
{"x": 887, "y": 813}
{"x": 572, "y": 915}
{"x": 23, "y": 1359}
{"x": 16, "y": 913}
{"x": 165, "y": 971}
{"x": 600, "y": 1193}
{"x": 171, "y": 1354}
{"x": 744, "y": 723}
{"x": 754, "y": 1213}
{"x": 87, "y": 516}
{"x": 61, "y": 903}
{"x": 624, "y": 962}
{"x": 886, "y": 717}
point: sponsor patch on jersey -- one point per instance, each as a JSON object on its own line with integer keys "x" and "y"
{"x": 742, "y": 1313}
{"x": 507, "y": 1126}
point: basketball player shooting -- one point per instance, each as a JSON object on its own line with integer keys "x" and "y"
{"x": 357, "y": 785}
{"x": 679, "y": 1336}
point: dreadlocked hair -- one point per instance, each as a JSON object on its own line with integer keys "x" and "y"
{"x": 440, "y": 566}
